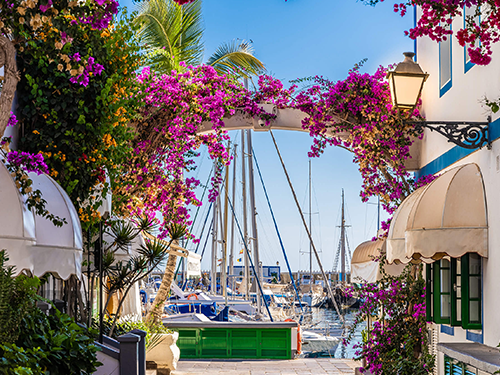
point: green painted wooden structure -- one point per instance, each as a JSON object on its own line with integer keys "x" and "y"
{"x": 236, "y": 340}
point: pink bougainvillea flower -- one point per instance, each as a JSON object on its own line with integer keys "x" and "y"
{"x": 44, "y": 8}
{"x": 65, "y": 38}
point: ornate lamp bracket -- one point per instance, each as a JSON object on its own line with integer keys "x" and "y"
{"x": 466, "y": 134}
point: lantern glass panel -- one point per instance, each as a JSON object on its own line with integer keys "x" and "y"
{"x": 406, "y": 89}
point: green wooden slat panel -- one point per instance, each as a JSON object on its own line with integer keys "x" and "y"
{"x": 221, "y": 333}
{"x": 187, "y": 333}
{"x": 273, "y": 353}
{"x": 244, "y": 353}
{"x": 271, "y": 333}
{"x": 189, "y": 352}
{"x": 244, "y": 333}
{"x": 234, "y": 343}
{"x": 214, "y": 353}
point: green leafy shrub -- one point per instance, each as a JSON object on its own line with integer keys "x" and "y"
{"x": 33, "y": 343}
{"x": 20, "y": 361}
{"x": 17, "y": 298}
{"x": 67, "y": 347}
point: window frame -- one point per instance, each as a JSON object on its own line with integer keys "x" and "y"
{"x": 437, "y": 293}
{"x": 443, "y": 89}
{"x": 468, "y": 65}
{"x": 455, "y": 367}
{"x": 466, "y": 323}
{"x": 454, "y": 295}
{"x": 434, "y": 293}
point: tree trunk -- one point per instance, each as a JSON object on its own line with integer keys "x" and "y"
{"x": 154, "y": 315}
{"x": 11, "y": 77}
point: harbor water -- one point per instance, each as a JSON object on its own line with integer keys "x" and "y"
{"x": 328, "y": 319}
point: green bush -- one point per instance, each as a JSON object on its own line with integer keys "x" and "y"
{"x": 17, "y": 298}
{"x": 67, "y": 348}
{"x": 20, "y": 361}
{"x": 33, "y": 343}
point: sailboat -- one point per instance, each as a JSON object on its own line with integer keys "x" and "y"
{"x": 342, "y": 297}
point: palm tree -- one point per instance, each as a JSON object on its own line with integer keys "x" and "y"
{"x": 172, "y": 33}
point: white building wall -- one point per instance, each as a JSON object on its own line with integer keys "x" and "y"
{"x": 462, "y": 102}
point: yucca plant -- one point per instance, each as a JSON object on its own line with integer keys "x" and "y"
{"x": 122, "y": 275}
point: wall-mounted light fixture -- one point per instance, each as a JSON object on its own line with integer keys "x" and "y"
{"x": 406, "y": 83}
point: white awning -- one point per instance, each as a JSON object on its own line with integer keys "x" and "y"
{"x": 58, "y": 250}
{"x": 446, "y": 217}
{"x": 34, "y": 243}
{"x": 363, "y": 265}
{"x": 17, "y": 224}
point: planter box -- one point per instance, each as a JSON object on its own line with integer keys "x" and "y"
{"x": 166, "y": 354}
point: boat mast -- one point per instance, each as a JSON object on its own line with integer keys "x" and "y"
{"x": 378, "y": 214}
{"x": 342, "y": 243}
{"x": 310, "y": 244}
{"x": 224, "y": 234}
{"x": 301, "y": 213}
{"x": 213, "y": 284}
{"x": 231, "y": 256}
{"x": 255, "y": 247}
{"x": 245, "y": 227}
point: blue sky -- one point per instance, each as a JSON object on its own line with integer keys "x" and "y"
{"x": 301, "y": 38}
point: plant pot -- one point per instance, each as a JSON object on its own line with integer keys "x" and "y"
{"x": 166, "y": 353}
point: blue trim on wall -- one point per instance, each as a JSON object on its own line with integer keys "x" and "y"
{"x": 449, "y": 330}
{"x": 415, "y": 25}
{"x": 468, "y": 64}
{"x": 476, "y": 337}
{"x": 444, "y": 89}
{"x": 455, "y": 154}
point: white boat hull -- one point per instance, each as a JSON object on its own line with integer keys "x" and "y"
{"x": 317, "y": 343}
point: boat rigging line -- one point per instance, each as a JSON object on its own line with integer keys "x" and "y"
{"x": 277, "y": 231}
{"x": 194, "y": 221}
{"x": 327, "y": 283}
{"x": 248, "y": 255}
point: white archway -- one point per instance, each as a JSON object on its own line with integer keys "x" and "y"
{"x": 291, "y": 119}
{"x": 286, "y": 119}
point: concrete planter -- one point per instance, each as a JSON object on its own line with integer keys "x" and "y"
{"x": 166, "y": 354}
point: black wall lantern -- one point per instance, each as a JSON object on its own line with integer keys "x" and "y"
{"x": 406, "y": 83}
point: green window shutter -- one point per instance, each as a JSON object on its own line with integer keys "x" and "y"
{"x": 457, "y": 369}
{"x": 442, "y": 291}
{"x": 447, "y": 366}
{"x": 456, "y": 292}
{"x": 471, "y": 291}
{"x": 428, "y": 292}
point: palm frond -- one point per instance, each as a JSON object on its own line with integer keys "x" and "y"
{"x": 236, "y": 58}
{"x": 171, "y": 33}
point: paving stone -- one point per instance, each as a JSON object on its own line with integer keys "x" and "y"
{"x": 301, "y": 366}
